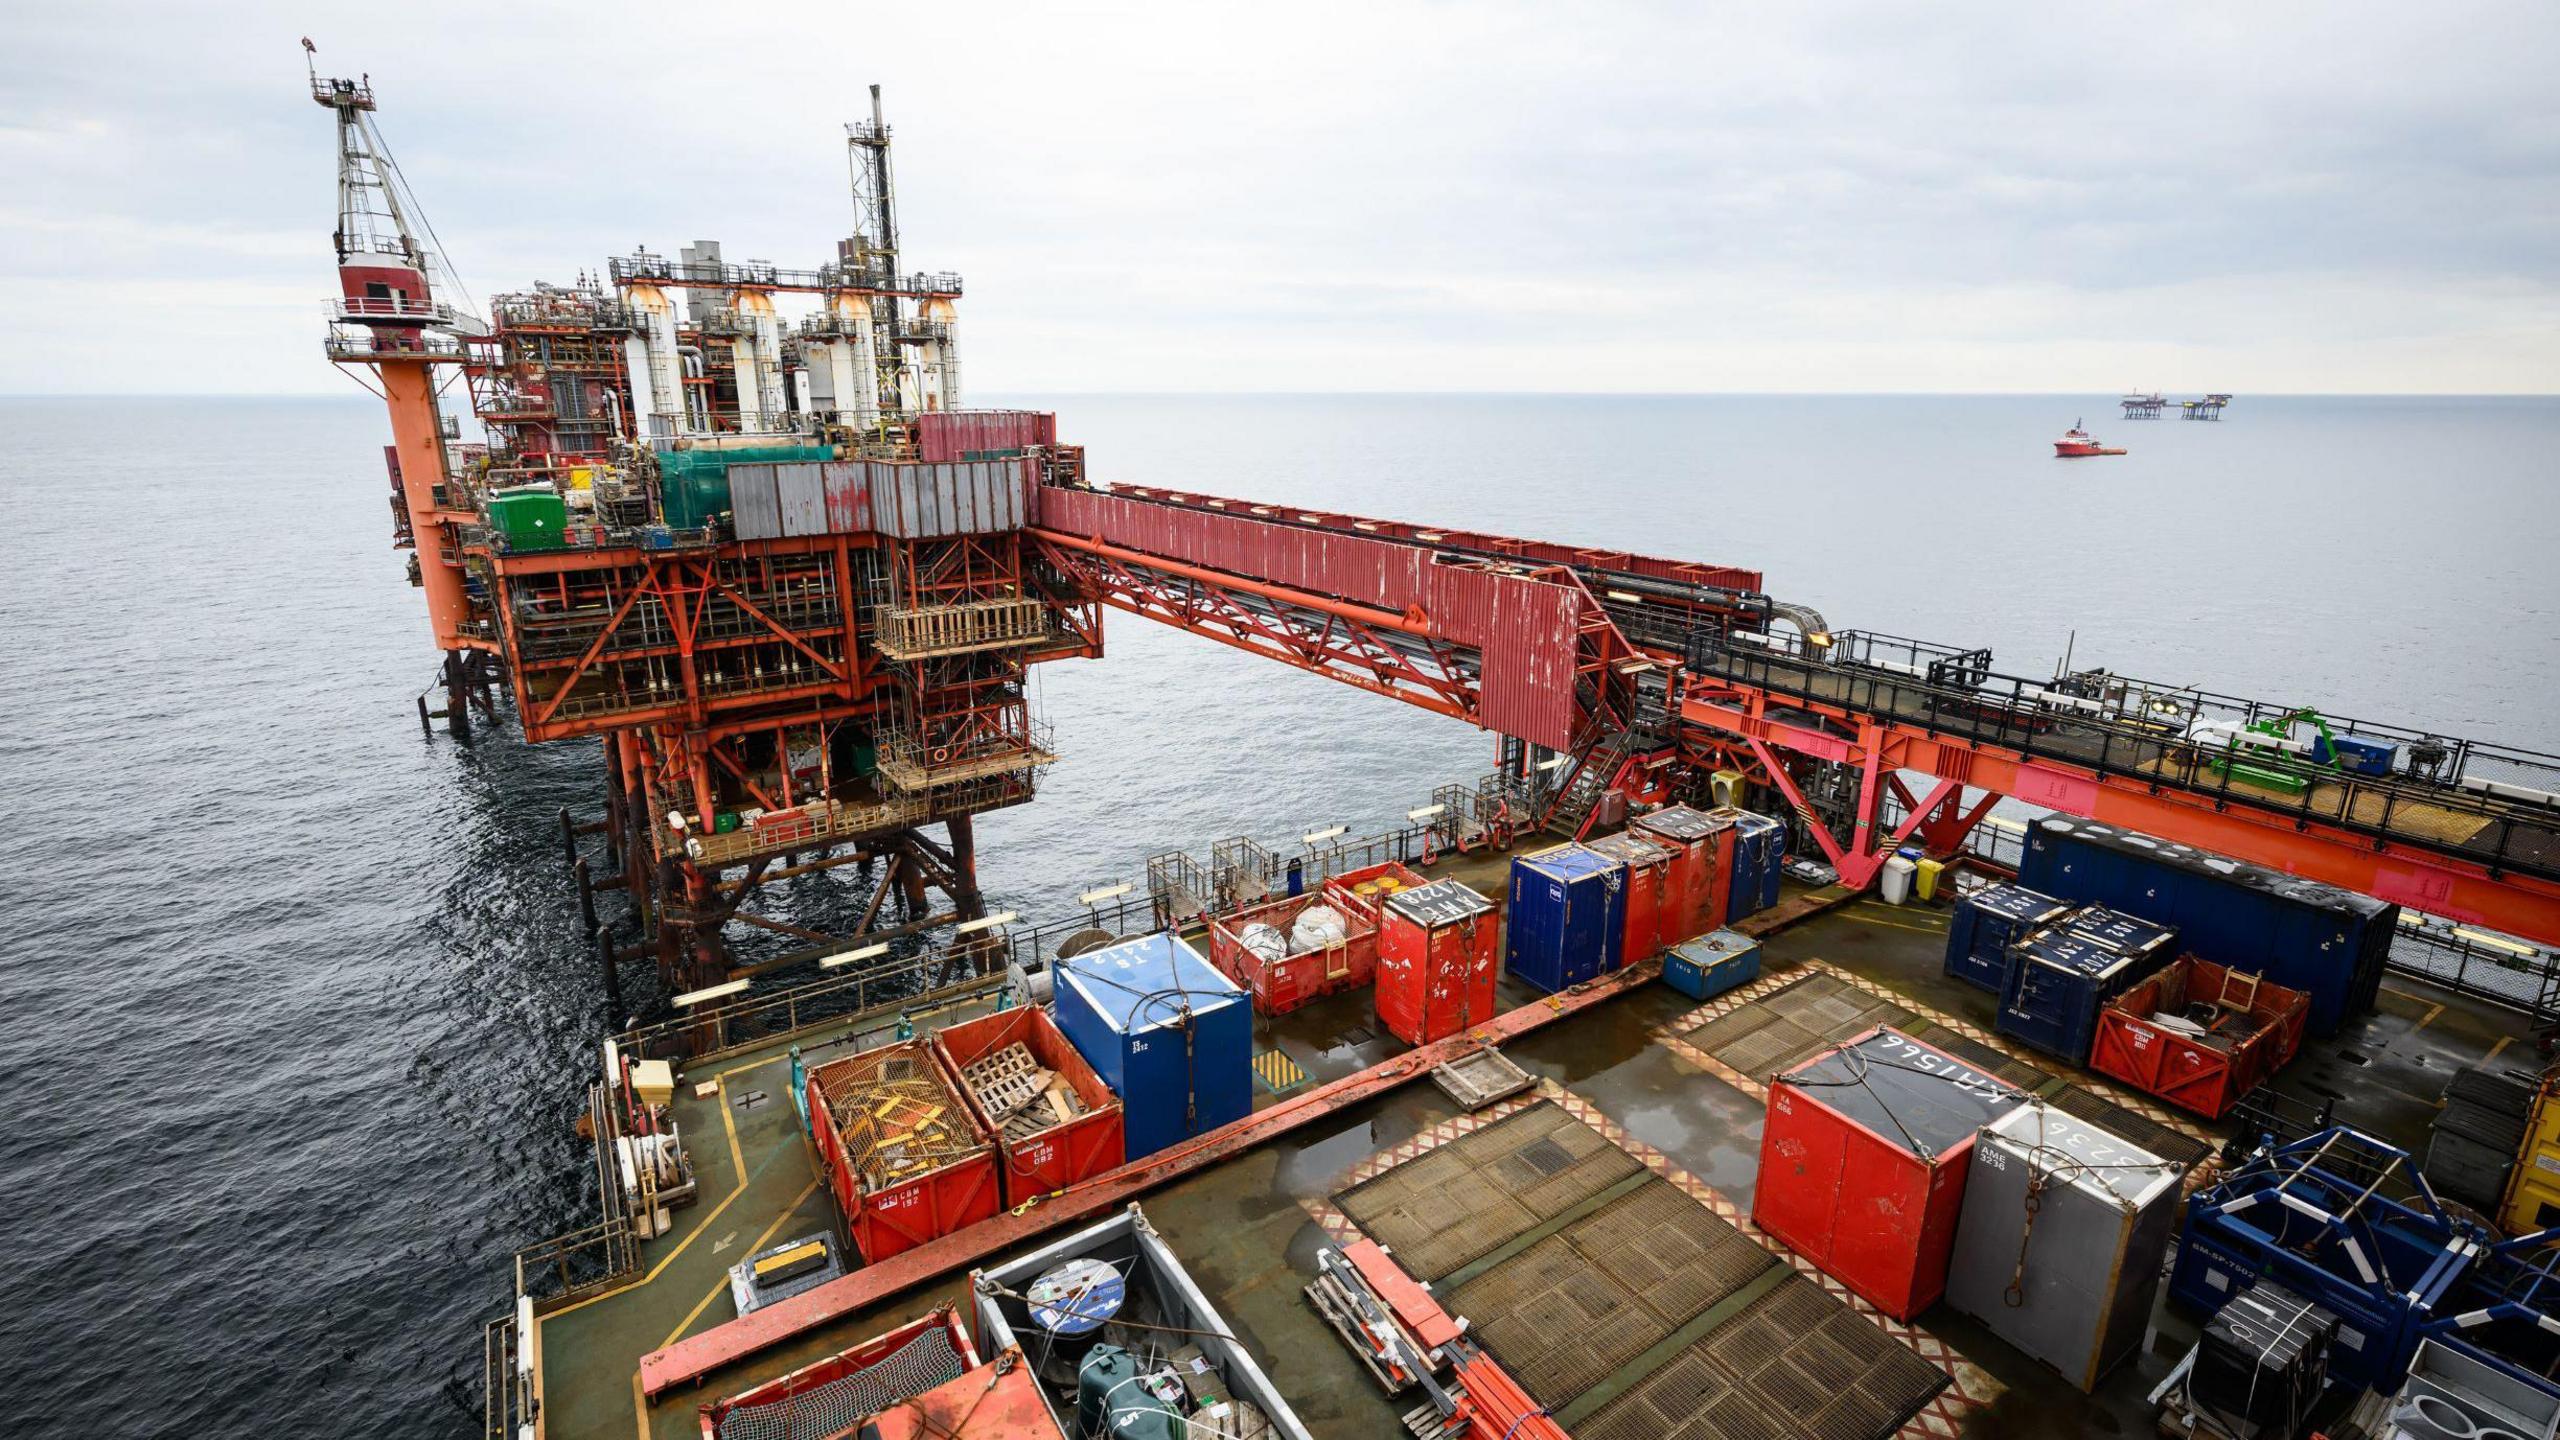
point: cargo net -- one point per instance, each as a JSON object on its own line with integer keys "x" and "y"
{"x": 1021, "y": 1096}
{"x": 896, "y": 1118}
{"x": 836, "y": 1406}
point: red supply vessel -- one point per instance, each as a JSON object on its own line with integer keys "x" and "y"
{"x": 2254, "y": 1030}
{"x": 903, "y": 1156}
{"x": 1040, "y": 1153}
{"x": 1258, "y": 948}
{"x": 1701, "y": 867}
{"x": 1863, "y": 1162}
{"x": 1439, "y": 949}
{"x": 1651, "y": 902}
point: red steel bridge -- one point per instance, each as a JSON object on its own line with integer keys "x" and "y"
{"x": 1614, "y": 661}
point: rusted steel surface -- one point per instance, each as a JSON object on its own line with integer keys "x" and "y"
{"x": 696, "y": 1356}
{"x": 1535, "y": 552}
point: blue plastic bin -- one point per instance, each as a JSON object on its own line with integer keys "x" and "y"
{"x": 1171, "y": 1036}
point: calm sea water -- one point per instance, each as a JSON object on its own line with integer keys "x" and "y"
{"x": 298, "y": 1011}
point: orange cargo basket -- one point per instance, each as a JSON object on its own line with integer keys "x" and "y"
{"x": 904, "y": 1156}
{"x": 1283, "y": 984}
{"x": 2251, "y": 1029}
{"x": 1049, "y": 1137}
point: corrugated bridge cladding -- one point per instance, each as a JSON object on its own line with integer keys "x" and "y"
{"x": 1626, "y": 1307}
{"x": 1524, "y": 628}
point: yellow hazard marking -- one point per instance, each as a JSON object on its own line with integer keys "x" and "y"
{"x": 1277, "y": 1071}
{"x": 737, "y": 1165}
{"x": 721, "y": 1286}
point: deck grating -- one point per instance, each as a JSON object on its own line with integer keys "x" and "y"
{"x": 1464, "y": 1200}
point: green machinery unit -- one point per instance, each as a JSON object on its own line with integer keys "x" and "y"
{"x": 532, "y": 517}
{"x": 693, "y": 485}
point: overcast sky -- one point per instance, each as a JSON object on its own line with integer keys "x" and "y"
{"x": 1844, "y": 197}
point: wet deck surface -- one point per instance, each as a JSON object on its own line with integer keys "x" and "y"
{"x": 1248, "y": 1229}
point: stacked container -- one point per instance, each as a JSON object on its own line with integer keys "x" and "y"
{"x": 1567, "y": 917}
{"x": 1986, "y": 923}
{"x": 900, "y": 1151}
{"x": 1286, "y": 958}
{"x": 1358, "y": 892}
{"x": 2062, "y": 976}
{"x": 2060, "y": 1246}
{"x": 1037, "y": 1157}
{"x": 1435, "y": 961}
{"x": 1652, "y": 921}
{"x": 2329, "y": 943}
{"x": 1701, "y": 881}
{"x": 1171, "y": 1036}
{"x": 1863, "y": 1163}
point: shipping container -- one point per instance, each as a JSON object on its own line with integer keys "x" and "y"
{"x": 903, "y": 1156}
{"x": 533, "y": 517}
{"x": 1986, "y": 923}
{"x": 1567, "y": 917}
{"x": 2147, "y": 943}
{"x": 2532, "y": 1200}
{"x": 1863, "y": 1162}
{"x": 1701, "y": 869}
{"x": 1711, "y": 964}
{"x": 1045, "y": 1145}
{"x": 1136, "y": 1278}
{"x": 1759, "y": 860}
{"x": 2255, "y": 1026}
{"x": 928, "y": 1351}
{"x": 1289, "y": 951}
{"x": 2328, "y": 943}
{"x": 1436, "y": 957}
{"x": 1650, "y": 899}
{"x": 2063, "y": 1235}
{"x": 1171, "y": 1036}
{"x": 2058, "y": 981}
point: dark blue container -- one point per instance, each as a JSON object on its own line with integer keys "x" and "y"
{"x": 1711, "y": 964}
{"x": 2356, "y": 757}
{"x": 1759, "y": 860}
{"x": 1986, "y": 923}
{"x": 2147, "y": 942}
{"x": 2329, "y": 943}
{"x": 1567, "y": 919}
{"x": 1171, "y": 1036}
{"x": 2057, "y": 983}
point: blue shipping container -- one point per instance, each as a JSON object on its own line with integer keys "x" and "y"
{"x": 1567, "y": 919}
{"x": 2142, "y": 940}
{"x": 2356, "y": 757}
{"x": 2329, "y": 943}
{"x": 1759, "y": 860}
{"x": 2057, "y": 984}
{"x": 1986, "y": 923}
{"x": 1713, "y": 963}
{"x": 1171, "y": 1036}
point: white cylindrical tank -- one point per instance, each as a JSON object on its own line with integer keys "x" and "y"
{"x": 857, "y": 360}
{"x": 938, "y": 359}
{"x": 758, "y": 356}
{"x": 664, "y": 395}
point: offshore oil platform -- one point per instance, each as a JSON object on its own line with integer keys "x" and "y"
{"x": 1553, "y": 1107}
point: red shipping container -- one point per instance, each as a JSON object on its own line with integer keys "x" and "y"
{"x": 1652, "y": 903}
{"x": 2255, "y": 1032}
{"x": 1360, "y": 891}
{"x": 1051, "y": 1157}
{"x": 1701, "y": 868}
{"x": 1438, "y": 953}
{"x": 1283, "y": 982}
{"x": 1863, "y": 1160}
{"x": 888, "y": 1209}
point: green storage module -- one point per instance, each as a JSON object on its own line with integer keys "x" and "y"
{"x": 534, "y": 518}
{"x": 693, "y": 485}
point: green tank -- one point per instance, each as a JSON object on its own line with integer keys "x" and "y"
{"x": 693, "y": 485}
{"x": 531, "y": 518}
